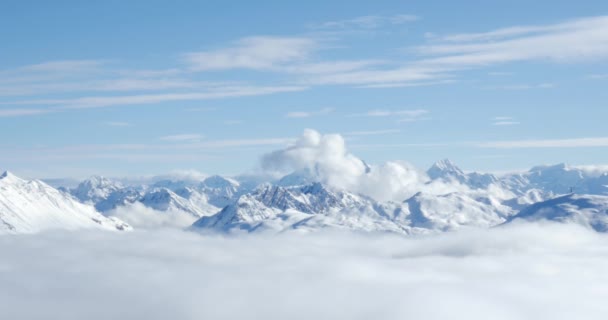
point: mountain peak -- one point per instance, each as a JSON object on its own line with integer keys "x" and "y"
{"x": 217, "y": 181}
{"x": 445, "y": 164}
{"x": 443, "y": 168}
{"x": 9, "y": 176}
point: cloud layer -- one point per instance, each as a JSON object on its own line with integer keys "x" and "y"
{"x": 525, "y": 272}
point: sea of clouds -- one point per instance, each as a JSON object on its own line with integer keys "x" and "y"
{"x": 526, "y": 271}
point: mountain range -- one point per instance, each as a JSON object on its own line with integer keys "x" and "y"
{"x": 446, "y": 199}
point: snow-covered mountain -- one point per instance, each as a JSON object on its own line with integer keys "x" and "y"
{"x": 163, "y": 199}
{"x": 95, "y": 189}
{"x": 454, "y": 210}
{"x": 309, "y": 207}
{"x": 447, "y": 198}
{"x": 32, "y": 206}
{"x": 447, "y": 171}
{"x": 189, "y": 197}
{"x": 562, "y": 179}
{"x": 451, "y": 199}
{"x": 220, "y": 191}
{"x": 588, "y": 210}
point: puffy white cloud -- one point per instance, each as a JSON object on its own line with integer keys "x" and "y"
{"x": 328, "y": 160}
{"x": 521, "y": 272}
{"x": 142, "y": 217}
{"x": 323, "y": 155}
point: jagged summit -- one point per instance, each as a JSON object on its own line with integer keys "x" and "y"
{"x": 7, "y": 175}
{"x": 95, "y": 189}
{"x": 444, "y": 169}
{"x": 7, "y": 178}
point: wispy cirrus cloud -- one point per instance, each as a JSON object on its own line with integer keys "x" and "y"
{"x": 189, "y": 137}
{"x": 299, "y": 62}
{"x": 598, "y": 76}
{"x": 117, "y": 123}
{"x": 504, "y": 121}
{"x": 372, "y": 132}
{"x": 308, "y": 114}
{"x": 64, "y": 66}
{"x": 18, "y": 112}
{"x": 366, "y": 22}
{"x": 58, "y": 105}
{"x": 577, "y": 40}
{"x": 521, "y": 86}
{"x": 257, "y": 53}
{"x": 547, "y": 143}
{"x": 388, "y": 113}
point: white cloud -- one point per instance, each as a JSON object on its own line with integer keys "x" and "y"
{"x": 500, "y": 73}
{"x": 141, "y": 217}
{"x": 367, "y": 22}
{"x": 414, "y": 113}
{"x": 327, "y": 158}
{"x": 182, "y": 137}
{"x": 522, "y": 86}
{"x": 598, "y": 76}
{"x": 22, "y": 112}
{"x": 402, "y": 116}
{"x": 64, "y": 66}
{"x": 59, "y": 105}
{"x": 504, "y": 121}
{"x": 308, "y": 114}
{"x": 505, "y": 273}
{"x": 372, "y": 132}
{"x": 258, "y": 53}
{"x": 117, "y": 124}
{"x": 547, "y": 143}
{"x": 325, "y": 155}
{"x": 578, "y": 40}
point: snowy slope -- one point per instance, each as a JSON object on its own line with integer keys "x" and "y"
{"x": 95, "y": 189}
{"x": 447, "y": 171}
{"x": 307, "y": 208}
{"x": 454, "y": 210}
{"x": 558, "y": 179}
{"x": 445, "y": 198}
{"x": 587, "y": 210}
{"x": 163, "y": 199}
{"x": 32, "y": 206}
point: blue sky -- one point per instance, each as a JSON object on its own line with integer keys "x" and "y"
{"x": 148, "y": 87}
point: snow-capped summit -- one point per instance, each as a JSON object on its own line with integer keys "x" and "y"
{"x": 297, "y": 178}
{"x": 217, "y": 181}
{"x": 454, "y": 210}
{"x": 305, "y": 208}
{"x": 445, "y": 169}
{"x": 558, "y": 179}
{"x": 95, "y": 189}
{"x": 220, "y": 191}
{"x": 9, "y": 176}
{"x": 588, "y": 210}
{"x": 163, "y": 199}
{"x": 32, "y": 206}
